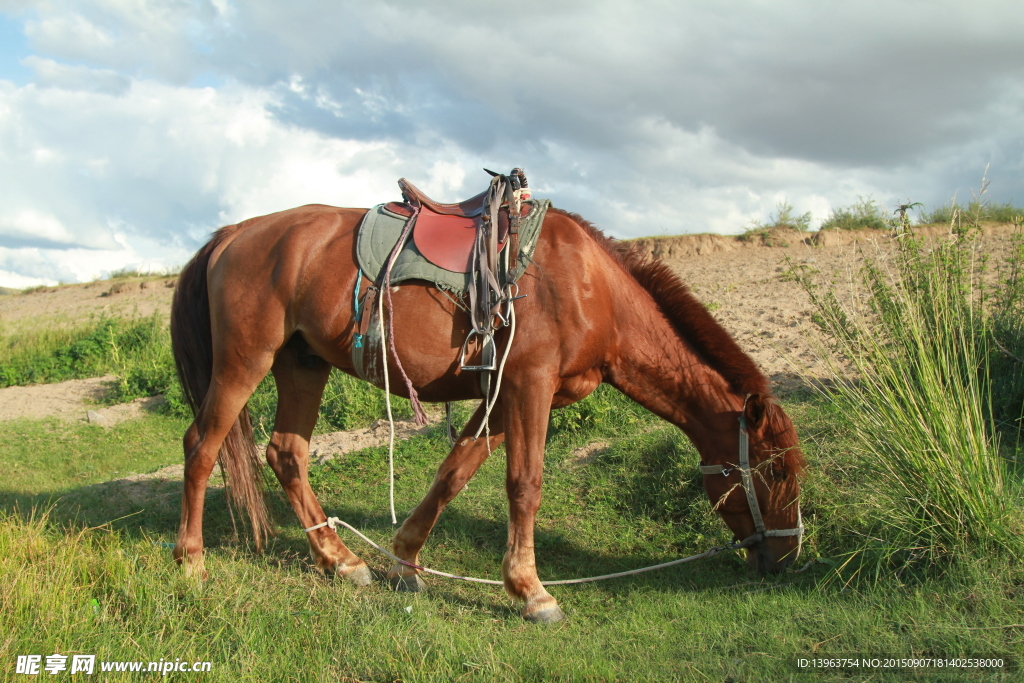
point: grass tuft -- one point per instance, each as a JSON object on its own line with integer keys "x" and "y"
{"x": 973, "y": 213}
{"x": 920, "y": 408}
{"x": 783, "y": 219}
{"x": 865, "y": 213}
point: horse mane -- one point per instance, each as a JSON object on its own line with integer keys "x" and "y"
{"x": 685, "y": 312}
{"x": 706, "y": 336}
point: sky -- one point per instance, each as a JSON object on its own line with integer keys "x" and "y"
{"x": 131, "y": 130}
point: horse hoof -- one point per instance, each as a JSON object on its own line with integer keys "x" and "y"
{"x": 195, "y": 570}
{"x": 549, "y": 615}
{"x": 407, "y": 584}
{"x": 360, "y": 576}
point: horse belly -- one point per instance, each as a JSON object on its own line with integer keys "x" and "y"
{"x": 428, "y": 335}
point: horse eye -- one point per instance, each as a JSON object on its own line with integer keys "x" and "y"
{"x": 779, "y": 475}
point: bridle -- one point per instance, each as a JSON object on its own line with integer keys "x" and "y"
{"x": 747, "y": 481}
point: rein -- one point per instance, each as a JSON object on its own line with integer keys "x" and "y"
{"x": 748, "y": 484}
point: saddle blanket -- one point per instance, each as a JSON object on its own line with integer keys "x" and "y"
{"x": 381, "y": 228}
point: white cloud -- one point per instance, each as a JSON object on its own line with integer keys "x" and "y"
{"x": 49, "y": 73}
{"x": 166, "y": 165}
{"x": 18, "y": 281}
{"x": 661, "y": 119}
{"x": 30, "y": 224}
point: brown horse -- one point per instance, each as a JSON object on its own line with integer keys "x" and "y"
{"x": 274, "y": 294}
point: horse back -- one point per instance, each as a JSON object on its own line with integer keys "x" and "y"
{"x": 292, "y": 271}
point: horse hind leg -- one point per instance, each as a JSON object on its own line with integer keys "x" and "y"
{"x": 300, "y": 380}
{"x": 229, "y": 391}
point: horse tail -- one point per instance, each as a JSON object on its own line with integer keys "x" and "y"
{"x": 192, "y": 343}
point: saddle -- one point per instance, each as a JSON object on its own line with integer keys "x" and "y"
{"x": 477, "y": 237}
{"x": 446, "y": 233}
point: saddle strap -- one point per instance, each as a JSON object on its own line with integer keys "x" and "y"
{"x": 365, "y": 311}
{"x": 486, "y": 292}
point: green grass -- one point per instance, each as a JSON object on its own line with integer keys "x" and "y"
{"x": 974, "y": 212}
{"x": 51, "y": 455}
{"x": 347, "y": 403}
{"x": 137, "y": 350}
{"x": 86, "y": 578}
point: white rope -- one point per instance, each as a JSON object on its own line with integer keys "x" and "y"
{"x": 501, "y": 372}
{"x": 387, "y": 402}
{"x": 334, "y": 523}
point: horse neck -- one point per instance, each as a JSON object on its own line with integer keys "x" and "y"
{"x": 662, "y": 372}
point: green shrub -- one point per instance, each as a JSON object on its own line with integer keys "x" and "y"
{"x": 110, "y": 345}
{"x": 973, "y": 213}
{"x": 866, "y": 213}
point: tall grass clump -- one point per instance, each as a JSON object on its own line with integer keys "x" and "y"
{"x": 973, "y": 212}
{"x": 866, "y": 213}
{"x": 784, "y": 218}
{"x": 918, "y": 398}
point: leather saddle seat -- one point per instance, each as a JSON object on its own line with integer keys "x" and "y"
{"x": 445, "y": 233}
{"x": 474, "y": 206}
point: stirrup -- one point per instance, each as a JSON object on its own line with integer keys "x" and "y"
{"x": 487, "y": 352}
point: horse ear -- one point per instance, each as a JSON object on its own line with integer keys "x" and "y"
{"x": 756, "y": 411}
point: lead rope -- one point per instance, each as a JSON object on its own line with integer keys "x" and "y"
{"x": 391, "y": 419}
{"x": 334, "y": 523}
{"x": 493, "y": 398}
{"x": 757, "y": 537}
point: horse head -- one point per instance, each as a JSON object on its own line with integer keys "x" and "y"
{"x": 762, "y": 506}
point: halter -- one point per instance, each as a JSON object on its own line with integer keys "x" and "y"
{"x": 747, "y": 480}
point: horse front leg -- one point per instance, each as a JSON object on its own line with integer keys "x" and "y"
{"x": 526, "y": 409}
{"x": 455, "y": 471}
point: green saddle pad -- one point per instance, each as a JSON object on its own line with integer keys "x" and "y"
{"x": 381, "y": 229}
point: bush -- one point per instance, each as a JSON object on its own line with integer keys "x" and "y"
{"x": 973, "y": 213}
{"x": 866, "y": 213}
{"x": 110, "y": 345}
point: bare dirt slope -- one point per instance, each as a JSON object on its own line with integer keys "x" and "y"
{"x": 67, "y": 305}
